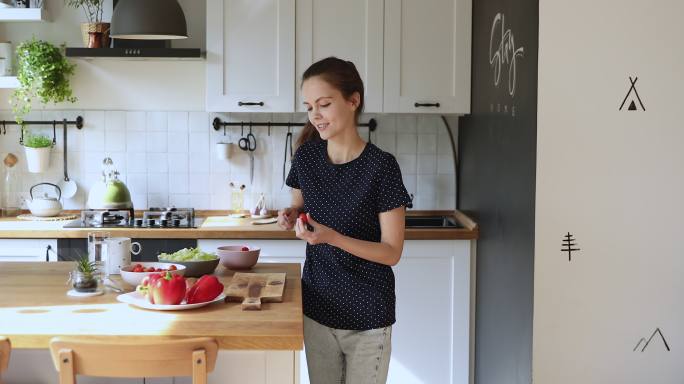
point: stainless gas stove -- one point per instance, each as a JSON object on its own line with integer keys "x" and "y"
{"x": 123, "y": 218}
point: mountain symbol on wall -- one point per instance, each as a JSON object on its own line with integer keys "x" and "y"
{"x": 646, "y": 342}
{"x": 632, "y": 90}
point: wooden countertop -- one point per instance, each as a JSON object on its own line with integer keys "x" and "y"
{"x": 34, "y": 307}
{"x": 239, "y": 229}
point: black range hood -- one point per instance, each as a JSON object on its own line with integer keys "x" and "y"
{"x": 144, "y": 29}
{"x": 135, "y": 52}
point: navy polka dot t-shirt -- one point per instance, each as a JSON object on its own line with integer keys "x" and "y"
{"x": 341, "y": 290}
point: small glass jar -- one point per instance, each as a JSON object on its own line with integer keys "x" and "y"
{"x": 84, "y": 282}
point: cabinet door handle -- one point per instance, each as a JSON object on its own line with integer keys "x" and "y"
{"x": 47, "y": 252}
{"x": 241, "y": 103}
{"x": 426, "y": 105}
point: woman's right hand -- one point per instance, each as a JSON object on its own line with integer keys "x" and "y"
{"x": 287, "y": 218}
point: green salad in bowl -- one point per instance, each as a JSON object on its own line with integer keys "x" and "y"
{"x": 196, "y": 262}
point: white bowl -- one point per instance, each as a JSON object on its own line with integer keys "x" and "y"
{"x": 135, "y": 278}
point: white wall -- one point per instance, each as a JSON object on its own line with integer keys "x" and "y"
{"x": 613, "y": 180}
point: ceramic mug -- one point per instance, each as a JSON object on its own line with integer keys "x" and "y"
{"x": 119, "y": 251}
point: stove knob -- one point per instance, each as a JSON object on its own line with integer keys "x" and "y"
{"x": 176, "y": 223}
{"x": 138, "y": 222}
{"x": 164, "y": 223}
{"x": 151, "y": 222}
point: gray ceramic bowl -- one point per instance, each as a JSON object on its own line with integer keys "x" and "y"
{"x": 196, "y": 268}
{"x": 232, "y": 256}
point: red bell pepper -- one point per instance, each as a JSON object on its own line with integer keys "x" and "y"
{"x": 207, "y": 288}
{"x": 167, "y": 289}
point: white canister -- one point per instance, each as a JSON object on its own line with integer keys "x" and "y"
{"x": 6, "y": 58}
{"x": 119, "y": 251}
{"x": 223, "y": 151}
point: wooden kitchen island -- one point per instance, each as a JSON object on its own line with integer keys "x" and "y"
{"x": 34, "y": 308}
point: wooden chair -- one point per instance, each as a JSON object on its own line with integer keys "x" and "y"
{"x": 185, "y": 357}
{"x": 5, "y": 348}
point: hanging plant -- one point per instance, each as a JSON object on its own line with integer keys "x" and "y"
{"x": 43, "y": 73}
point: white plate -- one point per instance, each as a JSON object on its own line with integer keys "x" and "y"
{"x": 138, "y": 300}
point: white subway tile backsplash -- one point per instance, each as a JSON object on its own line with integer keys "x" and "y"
{"x": 115, "y": 120}
{"x": 178, "y": 121}
{"x": 198, "y": 122}
{"x": 157, "y": 183}
{"x": 178, "y": 142}
{"x": 427, "y": 164}
{"x": 406, "y": 144}
{"x": 136, "y": 162}
{"x": 115, "y": 141}
{"x": 198, "y": 183}
{"x": 157, "y": 141}
{"x": 136, "y": 121}
{"x": 407, "y": 163}
{"x": 157, "y": 200}
{"x": 199, "y": 162}
{"x": 170, "y": 157}
{"x": 178, "y": 163}
{"x": 427, "y": 144}
{"x": 199, "y": 142}
{"x": 179, "y": 200}
{"x": 406, "y": 123}
{"x": 157, "y": 162}
{"x": 157, "y": 121}
{"x": 136, "y": 141}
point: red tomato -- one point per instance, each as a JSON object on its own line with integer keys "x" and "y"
{"x": 158, "y": 270}
{"x": 172, "y": 267}
{"x": 245, "y": 249}
{"x": 149, "y": 269}
{"x": 138, "y": 268}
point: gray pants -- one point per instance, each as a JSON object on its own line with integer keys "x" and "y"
{"x": 338, "y": 356}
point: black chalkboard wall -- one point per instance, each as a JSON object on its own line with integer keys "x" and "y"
{"x": 496, "y": 184}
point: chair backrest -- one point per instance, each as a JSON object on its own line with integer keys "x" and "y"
{"x": 5, "y": 348}
{"x": 185, "y": 357}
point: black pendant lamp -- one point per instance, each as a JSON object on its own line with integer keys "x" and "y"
{"x": 148, "y": 20}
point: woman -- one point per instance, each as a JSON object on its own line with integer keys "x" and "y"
{"x": 354, "y": 198}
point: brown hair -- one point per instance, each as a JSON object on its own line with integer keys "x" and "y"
{"x": 341, "y": 75}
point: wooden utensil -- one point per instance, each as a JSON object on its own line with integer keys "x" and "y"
{"x": 254, "y": 288}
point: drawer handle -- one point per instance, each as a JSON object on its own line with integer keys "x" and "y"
{"x": 241, "y": 103}
{"x": 426, "y": 105}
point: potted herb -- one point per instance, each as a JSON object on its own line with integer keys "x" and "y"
{"x": 84, "y": 278}
{"x": 43, "y": 74}
{"x": 95, "y": 33}
{"x": 37, "y": 149}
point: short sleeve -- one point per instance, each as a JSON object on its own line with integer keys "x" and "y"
{"x": 293, "y": 177}
{"x": 392, "y": 192}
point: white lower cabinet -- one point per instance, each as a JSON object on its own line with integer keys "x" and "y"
{"x": 28, "y": 250}
{"x": 433, "y": 338}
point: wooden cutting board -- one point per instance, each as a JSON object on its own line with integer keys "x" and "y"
{"x": 254, "y": 288}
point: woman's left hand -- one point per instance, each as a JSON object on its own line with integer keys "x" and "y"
{"x": 320, "y": 234}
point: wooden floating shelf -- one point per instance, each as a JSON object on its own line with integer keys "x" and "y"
{"x": 23, "y": 14}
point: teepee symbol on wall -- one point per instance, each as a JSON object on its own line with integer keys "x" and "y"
{"x": 632, "y": 105}
{"x": 569, "y": 245}
{"x": 643, "y": 340}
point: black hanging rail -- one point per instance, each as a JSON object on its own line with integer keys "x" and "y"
{"x": 78, "y": 122}
{"x": 218, "y": 124}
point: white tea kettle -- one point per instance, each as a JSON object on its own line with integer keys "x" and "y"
{"x": 45, "y": 206}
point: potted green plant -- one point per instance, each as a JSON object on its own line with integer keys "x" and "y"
{"x": 84, "y": 278}
{"x": 95, "y": 33}
{"x": 37, "y": 149}
{"x": 43, "y": 74}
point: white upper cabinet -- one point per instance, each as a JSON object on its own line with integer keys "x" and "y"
{"x": 427, "y": 56}
{"x": 250, "y": 55}
{"x": 350, "y": 30}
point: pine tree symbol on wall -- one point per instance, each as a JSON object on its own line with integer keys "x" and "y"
{"x": 569, "y": 246}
